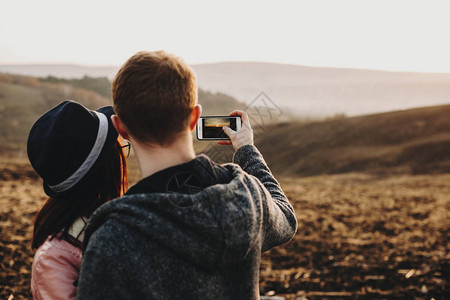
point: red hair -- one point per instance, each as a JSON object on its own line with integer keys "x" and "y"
{"x": 103, "y": 183}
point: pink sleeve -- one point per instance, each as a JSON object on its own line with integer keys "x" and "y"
{"x": 56, "y": 266}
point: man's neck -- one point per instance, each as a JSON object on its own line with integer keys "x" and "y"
{"x": 154, "y": 158}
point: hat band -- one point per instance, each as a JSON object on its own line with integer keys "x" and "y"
{"x": 90, "y": 160}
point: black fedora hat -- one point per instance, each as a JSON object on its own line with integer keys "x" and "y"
{"x": 67, "y": 142}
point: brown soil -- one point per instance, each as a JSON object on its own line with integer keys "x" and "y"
{"x": 364, "y": 237}
{"x": 360, "y": 236}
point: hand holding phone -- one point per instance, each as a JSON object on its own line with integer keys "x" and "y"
{"x": 241, "y": 137}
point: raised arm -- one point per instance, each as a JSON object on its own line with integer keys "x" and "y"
{"x": 279, "y": 215}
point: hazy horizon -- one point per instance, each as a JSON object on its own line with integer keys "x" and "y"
{"x": 218, "y": 62}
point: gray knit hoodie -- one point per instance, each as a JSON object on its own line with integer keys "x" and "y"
{"x": 205, "y": 245}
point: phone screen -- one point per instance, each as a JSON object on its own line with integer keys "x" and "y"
{"x": 212, "y": 127}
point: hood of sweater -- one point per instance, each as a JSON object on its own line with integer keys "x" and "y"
{"x": 217, "y": 225}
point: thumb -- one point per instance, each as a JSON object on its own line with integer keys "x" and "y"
{"x": 228, "y": 130}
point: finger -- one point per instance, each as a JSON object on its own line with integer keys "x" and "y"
{"x": 228, "y": 131}
{"x": 242, "y": 114}
{"x": 224, "y": 143}
{"x": 237, "y": 112}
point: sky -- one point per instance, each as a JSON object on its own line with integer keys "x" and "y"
{"x": 393, "y": 35}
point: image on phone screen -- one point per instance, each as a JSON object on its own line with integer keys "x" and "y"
{"x": 210, "y": 128}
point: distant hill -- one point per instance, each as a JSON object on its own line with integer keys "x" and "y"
{"x": 305, "y": 91}
{"x": 23, "y": 99}
{"x": 414, "y": 141}
{"x": 66, "y": 71}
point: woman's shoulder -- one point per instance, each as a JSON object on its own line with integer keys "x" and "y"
{"x": 56, "y": 266}
{"x": 55, "y": 249}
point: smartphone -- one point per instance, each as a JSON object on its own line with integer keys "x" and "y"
{"x": 210, "y": 127}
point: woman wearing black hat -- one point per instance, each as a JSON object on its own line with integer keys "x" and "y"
{"x": 77, "y": 154}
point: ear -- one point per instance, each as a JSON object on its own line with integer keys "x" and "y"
{"x": 195, "y": 115}
{"x": 120, "y": 127}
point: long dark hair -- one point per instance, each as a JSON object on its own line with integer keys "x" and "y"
{"x": 105, "y": 182}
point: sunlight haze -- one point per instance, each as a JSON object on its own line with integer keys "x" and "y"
{"x": 385, "y": 35}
